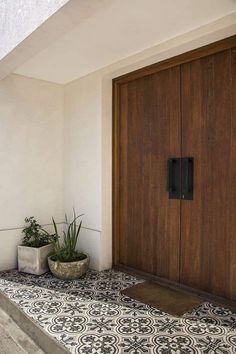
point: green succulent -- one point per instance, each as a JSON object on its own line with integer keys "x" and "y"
{"x": 65, "y": 251}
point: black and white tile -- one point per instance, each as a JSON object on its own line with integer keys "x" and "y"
{"x": 91, "y": 316}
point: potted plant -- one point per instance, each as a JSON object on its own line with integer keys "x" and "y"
{"x": 36, "y": 245}
{"x": 66, "y": 262}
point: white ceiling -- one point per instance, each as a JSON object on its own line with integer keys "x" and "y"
{"x": 122, "y": 28}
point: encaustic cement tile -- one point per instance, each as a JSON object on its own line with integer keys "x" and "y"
{"x": 91, "y": 316}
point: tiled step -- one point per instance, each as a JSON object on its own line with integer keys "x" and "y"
{"x": 91, "y": 315}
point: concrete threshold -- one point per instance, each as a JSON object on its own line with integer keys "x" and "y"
{"x": 13, "y": 339}
{"x": 47, "y": 343}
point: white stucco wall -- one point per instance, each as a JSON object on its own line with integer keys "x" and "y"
{"x": 31, "y": 158}
{"x": 82, "y": 185}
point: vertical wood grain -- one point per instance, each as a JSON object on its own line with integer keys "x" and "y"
{"x": 149, "y": 134}
{"x": 206, "y": 224}
{"x": 184, "y": 106}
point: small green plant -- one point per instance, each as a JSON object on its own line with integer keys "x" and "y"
{"x": 66, "y": 251}
{"x": 34, "y": 235}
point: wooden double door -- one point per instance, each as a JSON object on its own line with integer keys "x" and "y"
{"x": 185, "y": 107}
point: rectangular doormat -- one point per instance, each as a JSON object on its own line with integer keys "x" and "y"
{"x": 170, "y": 301}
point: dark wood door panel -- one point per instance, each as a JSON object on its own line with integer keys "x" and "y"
{"x": 186, "y": 110}
{"x": 208, "y": 227}
{"x": 149, "y": 133}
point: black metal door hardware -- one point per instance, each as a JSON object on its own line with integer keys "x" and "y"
{"x": 174, "y": 178}
{"x": 187, "y": 178}
{"x": 180, "y": 178}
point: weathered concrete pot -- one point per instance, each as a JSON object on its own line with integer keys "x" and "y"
{"x": 69, "y": 270}
{"x": 34, "y": 260}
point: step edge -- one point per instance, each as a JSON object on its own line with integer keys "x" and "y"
{"x": 46, "y": 342}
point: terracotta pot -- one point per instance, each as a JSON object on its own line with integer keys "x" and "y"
{"x": 69, "y": 270}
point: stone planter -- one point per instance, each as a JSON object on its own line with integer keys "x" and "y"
{"x": 34, "y": 260}
{"x": 68, "y": 270}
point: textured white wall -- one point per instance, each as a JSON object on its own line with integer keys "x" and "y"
{"x": 19, "y": 18}
{"x": 31, "y": 158}
{"x": 82, "y": 186}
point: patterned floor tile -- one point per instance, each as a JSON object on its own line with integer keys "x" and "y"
{"x": 214, "y": 314}
{"x": 91, "y": 316}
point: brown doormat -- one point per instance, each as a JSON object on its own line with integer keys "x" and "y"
{"x": 171, "y": 301}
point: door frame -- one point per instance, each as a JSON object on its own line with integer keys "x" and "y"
{"x": 189, "y": 56}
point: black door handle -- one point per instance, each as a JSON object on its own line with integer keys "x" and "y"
{"x": 187, "y": 164}
{"x": 174, "y": 180}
